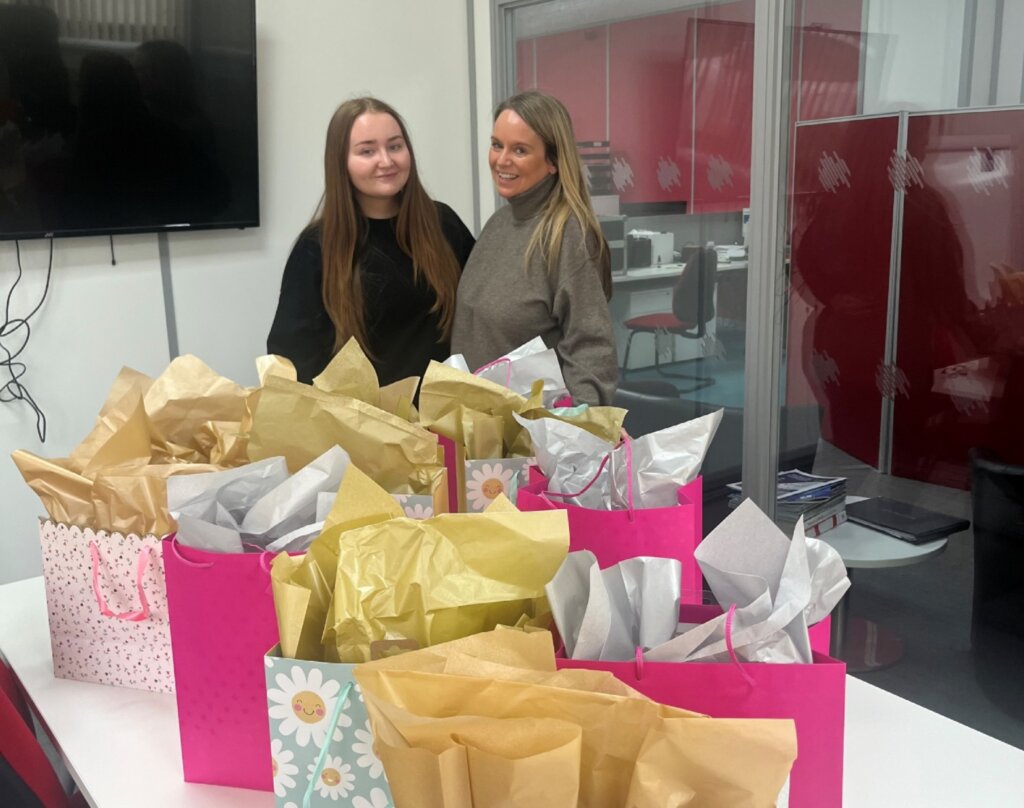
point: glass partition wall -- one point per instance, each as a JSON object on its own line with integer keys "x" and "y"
{"x": 855, "y": 171}
{"x": 905, "y": 326}
{"x": 661, "y": 96}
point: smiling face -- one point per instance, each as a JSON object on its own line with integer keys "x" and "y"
{"x": 492, "y": 488}
{"x": 308, "y": 707}
{"x": 330, "y": 777}
{"x": 379, "y": 162}
{"x": 517, "y": 157}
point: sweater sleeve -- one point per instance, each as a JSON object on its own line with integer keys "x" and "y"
{"x": 302, "y": 330}
{"x": 587, "y": 348}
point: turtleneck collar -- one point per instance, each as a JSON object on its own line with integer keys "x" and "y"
{"x": 528, "y": 204}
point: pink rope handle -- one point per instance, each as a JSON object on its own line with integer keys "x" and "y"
{"x": 585, "y": 488}
{"x": 728, "y": 644}
{"x": 639, "y": 664}
{"x": 135, "y": 617}
{"x": 604, "y": 462}
{"x": 504, "y": 360}
{"x": 264, "y": 563}
{"x": 177, "y": 554}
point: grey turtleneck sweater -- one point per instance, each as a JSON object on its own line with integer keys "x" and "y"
{"x": 502, "y": 303}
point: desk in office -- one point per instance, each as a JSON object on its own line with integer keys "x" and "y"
{"x": 122, "y": 745}
{"x": 648, "y": 290}
{"x": 673, "y": 271}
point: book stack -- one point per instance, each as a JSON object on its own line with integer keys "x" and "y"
{"x": 821, "y": 501}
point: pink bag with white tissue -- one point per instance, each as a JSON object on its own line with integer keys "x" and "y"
{"x": 814, "y": 696}
{"x": 614, "y": 536}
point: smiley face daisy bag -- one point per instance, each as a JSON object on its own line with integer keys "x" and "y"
{"x": 321, "y": 746}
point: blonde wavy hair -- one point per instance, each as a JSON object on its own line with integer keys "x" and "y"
{"x": 549, "y": 119}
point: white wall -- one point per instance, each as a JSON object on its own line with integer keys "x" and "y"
{"x": 1010, "y": 71}
{"x": 485, "y": 104}
{"x": 312, "y": 55}
{"x": 913, "y": 59}
{"x": 96, "y": 318}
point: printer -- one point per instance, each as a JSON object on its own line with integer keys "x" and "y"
{"x": 645, "y": 248}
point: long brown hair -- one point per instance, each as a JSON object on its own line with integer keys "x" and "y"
{"x": 548, "y": 117}
{"x": 343, "y": 231}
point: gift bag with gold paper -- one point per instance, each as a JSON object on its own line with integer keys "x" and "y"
{"x": 345, "y": 406}
{"x": 487, "y": 720}
{"x": 107, "y": 506}
{"x": 486, "y": 449}
{"x": 375, "y": 577}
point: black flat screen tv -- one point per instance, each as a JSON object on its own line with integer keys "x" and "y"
{"x": 127, "y": 117}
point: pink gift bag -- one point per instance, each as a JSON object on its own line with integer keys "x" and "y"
{"x": 614, "y": 536}
{"x": 222, "y": 623}
{"x": 107, "y": 606}
{"x": 814, "y": 696}
{"x": 452, "y": 463}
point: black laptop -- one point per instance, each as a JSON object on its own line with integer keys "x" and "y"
{"x": 903, "y": 520}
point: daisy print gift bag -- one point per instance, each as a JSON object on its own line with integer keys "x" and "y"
{"x": 320, "y": 739}
{"x": 485, "y": 479}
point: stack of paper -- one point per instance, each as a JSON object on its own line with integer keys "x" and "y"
{"x": 821, "y": 501}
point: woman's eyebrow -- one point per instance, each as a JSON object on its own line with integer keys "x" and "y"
{"x": 371, "y": 142}
{"x": 514, "y": 143}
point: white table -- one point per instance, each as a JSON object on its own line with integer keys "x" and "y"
{"x": 122, "y": 745}
{"x": 870, "y": 646}
{"x": 864, "y": 548}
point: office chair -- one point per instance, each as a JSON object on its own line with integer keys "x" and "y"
{"x": 997, "y": 504}
{"x": 27, "y": 779}
{"x": 997, "y": 612}
{"x": 693, "y": 306}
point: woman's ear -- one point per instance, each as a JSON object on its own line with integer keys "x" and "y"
{"x": 552, "y": 168}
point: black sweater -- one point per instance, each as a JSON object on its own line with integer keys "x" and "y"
{"x": 402, "y": 331}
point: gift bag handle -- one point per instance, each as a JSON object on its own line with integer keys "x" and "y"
{"x": 140, "y": 569}
{"x": 264, "y": 563}
{"x": 182, "y": 559}
{"x": 627, "y": 441}
{"x": 504, "y": 360}
{"x": 318, "y": 768}
{"x": 729, "y": 615}
{"x": 639, "y": 661}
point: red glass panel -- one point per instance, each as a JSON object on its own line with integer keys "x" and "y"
{"x": 525, "y": 80}
{"x": 724, "y": 107}
{"x": 829, "y": 58}
{"x": 961, "y": 313}
{"x": 651, "y": 100}
{"x": 571, "y": 66}
{"x": 842, "y": 234}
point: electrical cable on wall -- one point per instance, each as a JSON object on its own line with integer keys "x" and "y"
{"x": 11, "y": 369}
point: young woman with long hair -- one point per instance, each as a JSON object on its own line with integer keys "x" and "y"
{"x": 541, "y": 266}
{"x": 379, "y": 262}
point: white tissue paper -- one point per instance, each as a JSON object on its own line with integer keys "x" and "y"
{"x": 257, "y": 504}
{"x": 660, "y": 463}
{"x": 607, "y": 614}
{"x": 526, "y": 364}
{"x": 780, "y": 586}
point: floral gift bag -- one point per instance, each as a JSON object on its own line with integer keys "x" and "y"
{"x": 485, "y": 479}
{"x": 416, "y": 506}
{"x": 317, "y": 744}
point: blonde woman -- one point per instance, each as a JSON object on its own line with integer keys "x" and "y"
{"x": 379, "y": 262}
{"x": 541, "y": 266}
